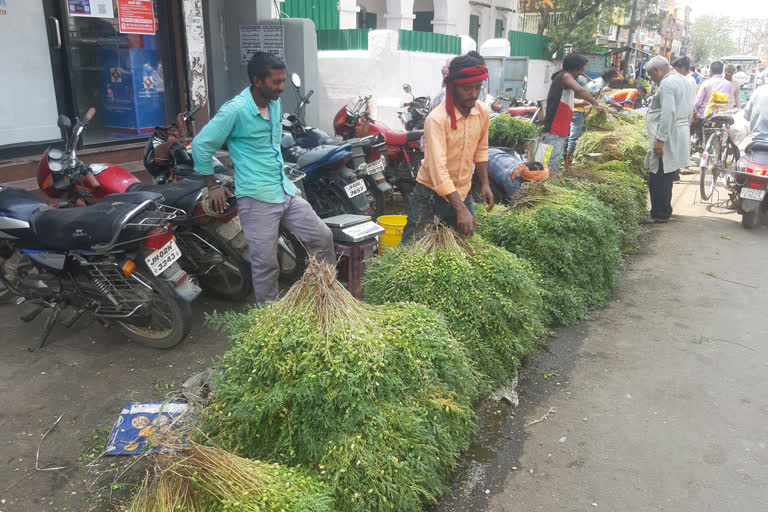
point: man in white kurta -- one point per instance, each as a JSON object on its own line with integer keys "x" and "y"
{"x": 668, "y": 133}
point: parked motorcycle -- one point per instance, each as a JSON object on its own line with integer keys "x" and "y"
{"x": 751, "y": 183}
{"x": 416, "y": 112}
{"x": 212, "y": 245}
{"x": 117, "y": 260}
{"x": 404, "y": 152}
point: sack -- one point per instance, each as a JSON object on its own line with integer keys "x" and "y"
{"x": 739, "y": 130}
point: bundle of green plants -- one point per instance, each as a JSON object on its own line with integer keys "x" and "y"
{"x": 511, "y": 132}
{"x": 624, "y": 193}
{"x": 489, "y": 297}
{"x": 571, "y": 239}
{"x": 374, "y": 398}
{"x": 210, "y": 479}
{"x": 626, "y": 143}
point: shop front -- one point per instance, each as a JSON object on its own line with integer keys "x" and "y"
{"x": 65, "y": 56}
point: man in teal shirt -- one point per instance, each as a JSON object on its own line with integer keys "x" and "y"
{"x": 251, "y": 126}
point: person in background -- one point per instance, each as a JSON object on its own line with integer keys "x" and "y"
{"x": 577, "y": 124}
{"x": 683, "y": 66}
{"x": 559, "y": 112}
{"x": 456, "y": 135}
{"x": 714, "y": 95}
{"x": 628, "y": 98}
{"x": 250, "y": 125}
{"x": 438, "y": 98}
{"x": 668, "y": 135}
{"x": 757, "y": 113}
{"x": 735, "y": 93}
{"x": 605, "y": 78}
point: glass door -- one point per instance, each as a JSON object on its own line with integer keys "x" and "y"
{"x": 118, "y": 60}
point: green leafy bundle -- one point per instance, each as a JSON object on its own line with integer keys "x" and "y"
{"x": 621, "y": 191}
{"x": 376, "y": 399}
{"x": 511, "y": 132}
{"x": 571, "y": 239}
{"x": 489, "y": 297}
{"x": 626, "y": 143}
{"x": 209, "y": 479}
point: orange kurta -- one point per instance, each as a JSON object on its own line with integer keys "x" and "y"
{"x": 449, "y": 154}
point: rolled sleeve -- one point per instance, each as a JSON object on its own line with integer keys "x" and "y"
{"x": 437, "y": 170}
{"x": 481, "y": 153}
{"x": 211, "y": 138}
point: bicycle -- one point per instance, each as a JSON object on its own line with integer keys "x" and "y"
{"x": 720, "y": 154}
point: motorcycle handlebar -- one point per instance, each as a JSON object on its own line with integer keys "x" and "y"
{"x": 89, "y": 115}
{"x": 191, "y": 114}
{"x": 309, "y": 95}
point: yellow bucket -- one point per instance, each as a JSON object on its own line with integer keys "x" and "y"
{"x": 393, "y": 231}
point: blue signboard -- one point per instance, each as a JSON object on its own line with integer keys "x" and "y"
{"x": 133, "y": 91}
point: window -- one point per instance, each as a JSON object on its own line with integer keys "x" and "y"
{"x": 474, "y": 27}
{"x": 499, "y": 32}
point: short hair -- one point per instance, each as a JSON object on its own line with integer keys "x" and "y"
{"x": 682, "y": 63}
{"x": 609, "y": 74}
{"x": 729, "y": 67}
{"x": 716, "y": 67}
{"x": 656, "y": 62}
{"x": 262, "y": 63}
{"x": 574, "y": 62}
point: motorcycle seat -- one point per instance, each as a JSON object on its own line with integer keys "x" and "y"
{"x": 87, "y": 226}
{"x": 316, "y": 155}
{"x": 402, "y": 138}
{"x": 182, "y": 194}
{"x": 757, "y": 145}
{"x": 720, "y": 118}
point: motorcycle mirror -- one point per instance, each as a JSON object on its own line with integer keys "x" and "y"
{"x": 64, "y": 123}
{"x": 407, "y": 88}
{"x": 296, "y": 80}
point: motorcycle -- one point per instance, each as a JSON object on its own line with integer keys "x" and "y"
{"x": 212, "y": 245}
{"x": 404, "y": 152}
{"x": 417, "y": 111}
{"x": 365, "y": 159}
{"x": 117, "y": 260}
{"x": 751, "y": 182}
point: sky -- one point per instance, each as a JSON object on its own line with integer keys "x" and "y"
{"x": 732, "y": 8}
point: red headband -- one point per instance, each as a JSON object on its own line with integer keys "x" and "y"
{"x": 468, "y": 75}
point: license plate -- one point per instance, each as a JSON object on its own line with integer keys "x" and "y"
{"x": 377, "y": 166}
{"x": 752, "y": 193}
{"x": 355, "y": 189}
{"x": 163, "y": 258}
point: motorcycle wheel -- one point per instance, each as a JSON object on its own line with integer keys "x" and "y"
{"x": 379, "y": 203}
{"x": 749, "y": 219}
{"x": 164, "y": 322}
{"x": 292, "y": 257}
{"x": 229, "y": 279}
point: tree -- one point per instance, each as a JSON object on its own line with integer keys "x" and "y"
{"x": 711, "y": 38}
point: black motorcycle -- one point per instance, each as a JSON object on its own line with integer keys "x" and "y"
{"x": 116, "y": 259}
{"x": 416, "y": 111}
{"x": 751, "y": 183}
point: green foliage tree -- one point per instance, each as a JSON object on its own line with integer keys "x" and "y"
{"x": 710, "y": 38}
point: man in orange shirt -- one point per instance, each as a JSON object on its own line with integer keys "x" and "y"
{"x": 456, "y": 136}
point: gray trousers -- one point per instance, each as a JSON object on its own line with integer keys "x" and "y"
{"x": 261, "y": 223}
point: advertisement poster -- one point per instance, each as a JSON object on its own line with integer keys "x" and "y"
{"x": 133, "y": 91}
{"x": 91, "y": 8}
{"x": 267, "y": 38}
{"x": 136, "y": 16}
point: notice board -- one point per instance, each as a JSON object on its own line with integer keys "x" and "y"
{"x": 267, "y": 38}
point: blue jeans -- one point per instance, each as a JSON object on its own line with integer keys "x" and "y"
{"x": 425, "y": 206}
{"x": 576, "y": 126}
{"x": 557, "y": 142}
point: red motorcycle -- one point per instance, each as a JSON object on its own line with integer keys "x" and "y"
{"x": 404, "y": 151}
{"x": 212, "y": 246}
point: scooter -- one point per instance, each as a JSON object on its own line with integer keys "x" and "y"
{"x": 404, "y": 152}
{"x": 212, "y": 246}
{"x": 117, "y": 260}
{"x": 751, "y": 183}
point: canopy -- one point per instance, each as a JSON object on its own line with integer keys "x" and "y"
{"x": 742, "y": 58}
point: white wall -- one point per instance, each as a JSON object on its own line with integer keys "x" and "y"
{"x": 28, "y": 108}
{"x": 380, "y": 71}
{"x": 540, "y": 77}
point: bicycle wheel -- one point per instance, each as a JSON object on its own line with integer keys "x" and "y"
{"x": 711, "y": 171}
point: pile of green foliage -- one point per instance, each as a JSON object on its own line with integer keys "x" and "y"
{"x": 374, "y": 398}
{"x": 510, "y": 132}
{"x": 489, "y": 297}
{"x": 571, "y": 239}
{"x": 625, "y": 143}
{"x": 208, "y": 479}
{"x": 617, "y": 188}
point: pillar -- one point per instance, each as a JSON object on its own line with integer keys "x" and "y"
{"x": 348, "y": 10}
{"x": 399, "y": 15}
